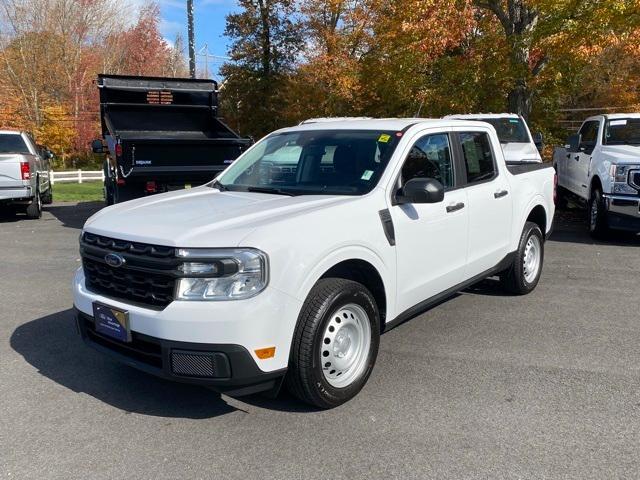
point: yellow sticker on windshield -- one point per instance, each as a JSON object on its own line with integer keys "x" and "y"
{"x": 384, "y": 138}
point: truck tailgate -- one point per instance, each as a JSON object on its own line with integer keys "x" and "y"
{"x": 10, "y": 175}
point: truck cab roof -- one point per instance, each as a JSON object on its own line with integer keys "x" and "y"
{"x": 363, "y": 123}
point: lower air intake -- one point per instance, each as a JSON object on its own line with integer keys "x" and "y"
{"x": 199, "y": 364}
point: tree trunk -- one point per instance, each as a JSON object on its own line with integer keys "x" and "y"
{"x": 519, "y": 99}
{"x": 517, "y": 20}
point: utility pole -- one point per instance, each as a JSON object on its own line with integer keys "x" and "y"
{"x": 192, "y": 41}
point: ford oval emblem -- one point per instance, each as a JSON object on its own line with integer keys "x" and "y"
{"x": 114, "y": 260}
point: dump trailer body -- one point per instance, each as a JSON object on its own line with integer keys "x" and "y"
{"x": 162, "y": 134}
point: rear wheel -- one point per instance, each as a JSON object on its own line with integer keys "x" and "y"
{"x": 47, "y": 198}
{"x": 598, "y": 227}
{"x": 34, "y": 209}
{"x": 335, "y": 344}
{"x": 524, "y": 273}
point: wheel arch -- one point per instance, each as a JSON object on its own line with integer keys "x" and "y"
{"x": 359, "y": 264}
{"x": 538, "y": 215}
{"x": 595, "y": 183}
{"x": 366, "y": 274}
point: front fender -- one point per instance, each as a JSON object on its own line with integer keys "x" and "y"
{"x": 328, "y": 259}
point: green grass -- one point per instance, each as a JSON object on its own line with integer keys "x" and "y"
{"x": 77, "y": 192}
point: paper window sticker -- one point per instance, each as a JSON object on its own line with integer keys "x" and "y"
{"x": 367, "y": 175}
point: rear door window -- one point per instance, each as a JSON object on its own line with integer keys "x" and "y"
{"x": 478, "y": 156}
{"x": 10, "y": 143}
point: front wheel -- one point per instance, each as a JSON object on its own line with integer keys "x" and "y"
{"x": 335, "y": 343}
{"x": 598, "y": 227}
{"x": 524, "y": 273}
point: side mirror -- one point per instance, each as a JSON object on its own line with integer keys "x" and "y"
{"x": 48, "y": 154}
{"x": 421, "y": 190}
{"x": 538, "y": 140}
{"x": 97, "y": 146}
{"x": 573, "y": 143}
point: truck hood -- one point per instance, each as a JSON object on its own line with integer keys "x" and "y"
{"x": 201, "y": 217}
{"x": 621, "y": 153}
{"x": 520, "y": 152}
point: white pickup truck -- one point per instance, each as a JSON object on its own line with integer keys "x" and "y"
{"x": 24, "y": 174}
{"x": 518, "y": 145}
{"x": 600, "y": 165}
{"x": 305, "y": 249}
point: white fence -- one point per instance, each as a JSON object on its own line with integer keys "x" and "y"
{"x": 76, "y": 176}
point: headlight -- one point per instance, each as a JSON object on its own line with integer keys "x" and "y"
{"x": 620, "y": 176}
{"x": 221, "y": 274}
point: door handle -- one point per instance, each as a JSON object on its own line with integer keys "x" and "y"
{"x": 500, "y": 193}
{"x": 577, "y": 158}
{"x": 455, "y": 207}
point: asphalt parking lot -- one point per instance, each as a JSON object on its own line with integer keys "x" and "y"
{"x": 483, "y": 386}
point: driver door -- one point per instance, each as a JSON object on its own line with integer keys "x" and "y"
{"x": 431, "y": 239}
{"x": 580, "y": 161}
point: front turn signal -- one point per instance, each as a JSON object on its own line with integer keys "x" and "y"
{"x": 264, "y": 353}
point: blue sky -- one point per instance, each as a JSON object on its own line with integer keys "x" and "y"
{"x": 209, "y": 27}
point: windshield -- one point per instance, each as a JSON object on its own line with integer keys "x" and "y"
{"x": 12, "y": 143}
{"x": 622, "y": 131}
{"x": 340, "y": 162}
{"x": 510, "y": 130}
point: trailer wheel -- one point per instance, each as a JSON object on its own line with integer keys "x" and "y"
{"x": 335, "y": 344}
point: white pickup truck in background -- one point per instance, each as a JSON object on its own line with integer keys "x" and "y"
{"x": 24, "y": 174}
{"x": 314, "y": 241}
{"x": 518, "y": 145}
{"x": 600, "y": 166}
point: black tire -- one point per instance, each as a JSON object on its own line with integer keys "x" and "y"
{"x": 562, "y": 199}
{"x": 34, "y": 209}
{"x": 125, "y": 193}
{"x": 515, "y": 280}
{"x": 108, "y": 193}
{"x": 47, "y": 198}
{"x": 305, "y": 378}
{"x": 597, "y": 215}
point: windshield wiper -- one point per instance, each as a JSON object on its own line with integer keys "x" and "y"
{"x": 219, "y": 186}
{"x": 274, "y": 190}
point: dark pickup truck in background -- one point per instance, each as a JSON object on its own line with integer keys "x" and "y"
{"x": 161, "y": 134}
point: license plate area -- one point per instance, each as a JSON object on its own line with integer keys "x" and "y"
{"x": 112, "y": 322}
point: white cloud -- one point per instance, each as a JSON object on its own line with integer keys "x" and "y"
{"x": 169, "y": 28}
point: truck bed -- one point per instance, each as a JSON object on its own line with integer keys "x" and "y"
{"x": 518, "y": 168}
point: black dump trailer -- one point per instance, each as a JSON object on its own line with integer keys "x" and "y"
{"x": 161, "y": 134}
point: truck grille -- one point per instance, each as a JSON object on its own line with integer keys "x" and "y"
{"x": 146, "y": 277}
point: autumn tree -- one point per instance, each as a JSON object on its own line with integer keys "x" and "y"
{"x": 538, "y": 32}
{"x": 265, "y": 40}
{"x": 52, "y": 50}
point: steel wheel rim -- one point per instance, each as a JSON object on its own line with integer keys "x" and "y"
{"x": 531, "y": 259}
{"x": 345, "y": 346}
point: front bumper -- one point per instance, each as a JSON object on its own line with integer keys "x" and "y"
{"x": 624, "y": 212}
{"x": 234, "y": 329}
{"x": 223, "y": 367}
